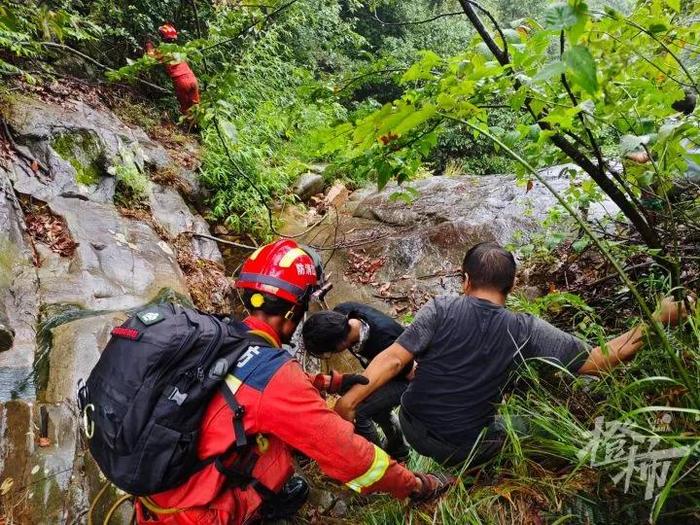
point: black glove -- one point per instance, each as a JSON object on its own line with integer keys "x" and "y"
{"x": 341, "y": 383}
{"x": 337, "y": 383}
{"x": 433, "y": 486}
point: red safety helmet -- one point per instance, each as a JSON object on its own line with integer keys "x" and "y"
{"x": 168, "y": 32}
{"x": 283, "y": 269}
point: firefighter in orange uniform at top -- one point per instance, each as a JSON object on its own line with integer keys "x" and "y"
{"x": 184, "y": 80}
{"x": 282, "y": 411}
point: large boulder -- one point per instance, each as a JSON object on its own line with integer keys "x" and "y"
{"x": 119, "y": 263}
{"x": 173, "y": 214}
{"x": 398, "y": 250}
{"x": 308, "y": 185}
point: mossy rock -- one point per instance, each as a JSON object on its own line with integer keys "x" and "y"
{"x": 84, "y": 152}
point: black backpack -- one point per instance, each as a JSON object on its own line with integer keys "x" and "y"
{"x": 143, "y": 402}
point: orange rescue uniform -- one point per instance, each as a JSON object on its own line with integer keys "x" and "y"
{"x": 283, "y": 411}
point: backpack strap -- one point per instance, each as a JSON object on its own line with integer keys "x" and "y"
{"x": 238, "y": 413}
{"x": 240, "y": 473}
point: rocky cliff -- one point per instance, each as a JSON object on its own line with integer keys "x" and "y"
{"x": 76, "y": 257}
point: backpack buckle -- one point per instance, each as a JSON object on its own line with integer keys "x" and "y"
{"x": 88, "y": 424}
{"x": 177, "y": 396}
{"x": 238, "y": 413}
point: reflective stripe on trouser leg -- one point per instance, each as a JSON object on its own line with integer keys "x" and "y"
{"x": 375, "y": 472}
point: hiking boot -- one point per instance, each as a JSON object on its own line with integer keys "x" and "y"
{"x": 287, "y": 502}
{"x": 433, "y": 485}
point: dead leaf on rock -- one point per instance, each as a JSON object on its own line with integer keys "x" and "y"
{"x": 50, "y": 229}
{"x": 6, "y": 486}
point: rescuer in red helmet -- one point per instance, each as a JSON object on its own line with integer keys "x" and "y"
{"x": 184, "y": 80}
{"x": 281, "y": 411}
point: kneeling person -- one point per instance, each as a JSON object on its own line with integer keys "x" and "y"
{"x": 280, "y": 410}
{"x": 365, "y": 332}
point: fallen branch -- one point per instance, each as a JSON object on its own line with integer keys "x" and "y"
{"x": 613, "y": 275}
{"x": 222, "y": 241}
{"x": 391, "y": 297}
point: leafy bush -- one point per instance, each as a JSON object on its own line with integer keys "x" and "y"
{"x": 24, "y": 26}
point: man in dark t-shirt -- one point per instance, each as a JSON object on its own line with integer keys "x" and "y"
{"x": 364, "y": 332}
{"x": 465, "y": 347}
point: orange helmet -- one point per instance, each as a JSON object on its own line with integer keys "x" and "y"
{"x": 283, "y": 269}
{"x": 167, "y": 32}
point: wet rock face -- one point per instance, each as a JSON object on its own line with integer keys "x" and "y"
{"x": 62, "y": 304}
{"x": 401, "y": 254}
{"x": 19, "y": 289}
{"x": 119, "y": 263}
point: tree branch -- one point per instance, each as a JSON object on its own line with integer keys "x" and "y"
{"x": 593, "y": 142}
{"x": 99, "y": 64}
{"x": 597, "y": 173}
{"x": 500, "y": 54}
{"x": 369, "y": 74}
{"x": 415, "y": 22}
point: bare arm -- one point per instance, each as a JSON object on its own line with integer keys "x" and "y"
{"x": 615, "y": 351}
{"x": 624, "y": 346}
{"x": 380, "y": 371}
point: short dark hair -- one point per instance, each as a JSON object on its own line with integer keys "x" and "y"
{"x": 491, "y": 266}
{"x": 270, "y": 305}
{"x": 325, "y": 331}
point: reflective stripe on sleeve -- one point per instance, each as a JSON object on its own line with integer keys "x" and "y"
{"x": 375, "y": 472}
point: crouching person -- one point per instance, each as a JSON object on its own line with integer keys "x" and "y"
{"x": 364, "y": 332}
{"x": 466, "y": 348}
{"x": 278, "y": 410}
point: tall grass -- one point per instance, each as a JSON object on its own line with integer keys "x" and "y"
{"x": 548, "y": 474}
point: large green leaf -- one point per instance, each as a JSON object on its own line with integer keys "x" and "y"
{"x": 560, "y": 16}
{"x": 562, "y": 117}
{"x": 384, "y": 174}
{"x": 574, "y": 32}
{"x": 415, "y": 119}
{"x": 581, "y": 68}
{"x": 553, "y": 69}
{"x": 422, "y": 70}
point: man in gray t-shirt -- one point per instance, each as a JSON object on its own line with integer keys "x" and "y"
{"x": 465, "y": 348}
